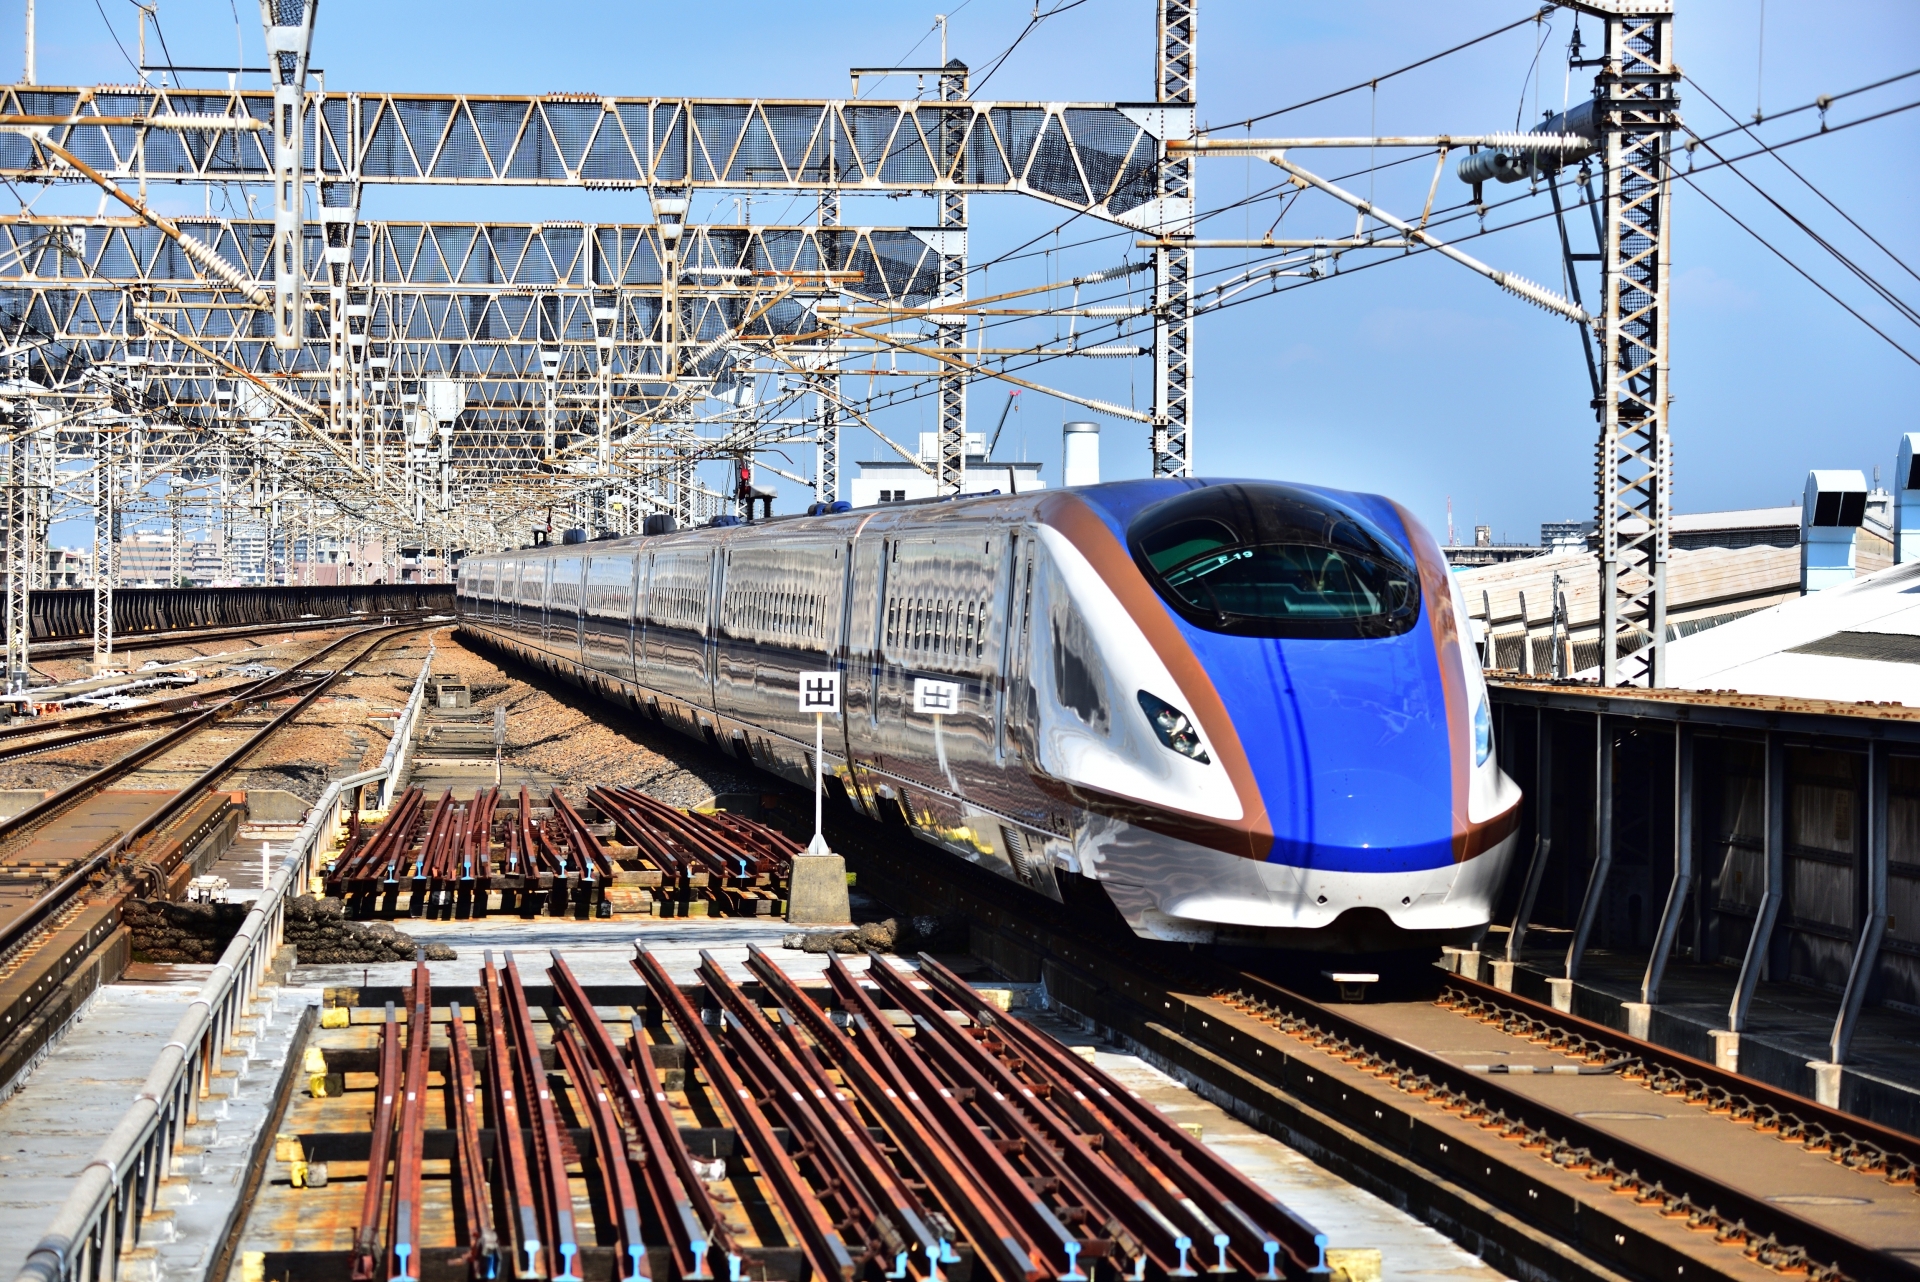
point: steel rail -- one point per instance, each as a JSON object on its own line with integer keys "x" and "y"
{"x": 816, "y": 1141}
{"x": 504, "y": 1110}
{"x": 101, "y": 1217}
{"x": 1136, "y": 1132}
{"x": 993, "y": 1231}
{"x": 470, "y": 1164}
{"x": 17, "y": 930}
{"x": 554, "y": 1193}
{"x": 609, "y": 1145}
{"x": 681, "y": 1204}
{"x": 825, "y": 1250}
{"x": 61, "y": 720}
{"x": 366, "y": 1239}
{"x": 68, "y": 739}
{"x": 433, "y": 863}
{"x": 671, "y": 858}
{"x": 95, "y": 780}
{"x": 826, "y": 1115}
{"x": 587, "y": 846}
{"x": 1139, "y": 1226}
{"x": 646, "y": 810}
{"x": 882, "y": 1046}
{"x": 702, "y": 834}
{"x": 354, "y": 871}
{"x": 1442, "y": 1083}
{"x": 1851, "y": 1141}
{"x": 1151, "y": 999}
{"x": 403, "y": 1237}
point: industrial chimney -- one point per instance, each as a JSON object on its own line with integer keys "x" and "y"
{"x": 1080, "y": 454}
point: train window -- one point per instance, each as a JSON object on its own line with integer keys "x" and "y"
{"x": 1262, "y": 559}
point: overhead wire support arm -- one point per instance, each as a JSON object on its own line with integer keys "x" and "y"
{"x": 1538, "y": 295}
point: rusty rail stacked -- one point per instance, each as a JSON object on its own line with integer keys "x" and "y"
{"x": 891, "y": 1125}
{"x": 741, "y": 864}
{"x": 373, "y": 869}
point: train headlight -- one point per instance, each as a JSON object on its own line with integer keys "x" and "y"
{"x": 1175, "y": 728}
{"x": 1482, "y": 733}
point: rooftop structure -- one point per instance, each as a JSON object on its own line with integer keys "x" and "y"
{"x": 1859, "y": 641}
{"x": 898, "y": 480}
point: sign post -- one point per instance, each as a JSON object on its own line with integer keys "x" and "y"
{"x": 819, "y": 694}
{"x": 817, "y": 894}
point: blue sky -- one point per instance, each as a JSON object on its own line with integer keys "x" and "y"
{"x": 1414, "y": 379}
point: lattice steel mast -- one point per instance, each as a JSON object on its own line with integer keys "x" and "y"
{"x": 1635, "y": 95}
{"x": 951, "y": 474}
{"x": 1173, "y": 265}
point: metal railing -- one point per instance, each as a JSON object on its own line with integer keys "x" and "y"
{"x": 103, "y": 1215}
{"x": 394, "y": 764}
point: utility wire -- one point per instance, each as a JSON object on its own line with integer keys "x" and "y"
{"x": 1398, "y": 71}
{"x": 1033, "y": 24}
{"x": 116, "y": 38}
{"x": 1688, "y": 179}
{"x": 1805, "y": 181}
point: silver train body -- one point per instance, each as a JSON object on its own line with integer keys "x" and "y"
{"x": 1314, "y": 793}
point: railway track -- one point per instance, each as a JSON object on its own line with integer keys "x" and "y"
{"x": 1551, "y": 1146}
{"x": 893, "y": 1126}
{"x": 307, "y": 681}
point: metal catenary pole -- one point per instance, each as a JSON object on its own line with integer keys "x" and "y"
{"x": 1172, "y": 265}
{"x": 1635, "y": 90}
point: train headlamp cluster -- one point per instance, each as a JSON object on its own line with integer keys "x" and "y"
{"x": 1482, "y": 732}
{"x": 1174, "y": 728}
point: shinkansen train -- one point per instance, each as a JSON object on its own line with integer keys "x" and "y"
{"x": 1248, "y": 712}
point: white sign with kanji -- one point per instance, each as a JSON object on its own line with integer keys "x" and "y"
{"x": 819, "y": 692}
{"x": 935, "y": 697}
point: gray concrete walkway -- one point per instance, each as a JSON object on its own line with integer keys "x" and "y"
{"x": 53, "y": 1125}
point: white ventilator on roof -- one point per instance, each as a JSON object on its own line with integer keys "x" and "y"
{"x": 1859, "y": 642}
{"x": 1830, "y": 515}
{"x": 1080, "y": 454}
{"x": 1906, "y": 500}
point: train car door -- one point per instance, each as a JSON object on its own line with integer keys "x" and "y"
{"x": 1016, "y": 695}
{"x": 533, "y": 600}
{"x": 710, "y": 635}
{"x": 503, "y": 596}
{"x": 681, "y": 579}
{"x": 563, "y": 592}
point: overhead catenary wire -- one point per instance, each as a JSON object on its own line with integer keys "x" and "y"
{"x": 1807, "y": 182}
{"x": 1374, "y": 81}
{"x": 1466, "y": 210}
{"x": 1801, "y": 271}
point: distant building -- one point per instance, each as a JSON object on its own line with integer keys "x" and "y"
{"x": 898, "y": 481}
{"x": 69, "y": 568}
{"x": 1565, "y": 536}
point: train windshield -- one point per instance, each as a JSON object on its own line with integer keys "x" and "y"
{"x": 1259, "y": 559}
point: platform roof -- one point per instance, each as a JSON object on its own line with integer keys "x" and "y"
{"x": 1856, "y": 642}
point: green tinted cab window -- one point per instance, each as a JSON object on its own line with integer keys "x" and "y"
{"x": 1263, "y": 559}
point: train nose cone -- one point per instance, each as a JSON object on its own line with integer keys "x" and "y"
{"x": 1349, "y": 745}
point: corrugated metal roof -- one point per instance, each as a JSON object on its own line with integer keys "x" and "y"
{"x": 1700, "y": 581}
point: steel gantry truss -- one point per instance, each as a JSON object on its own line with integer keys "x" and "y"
{"x": 450, "y": 382}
